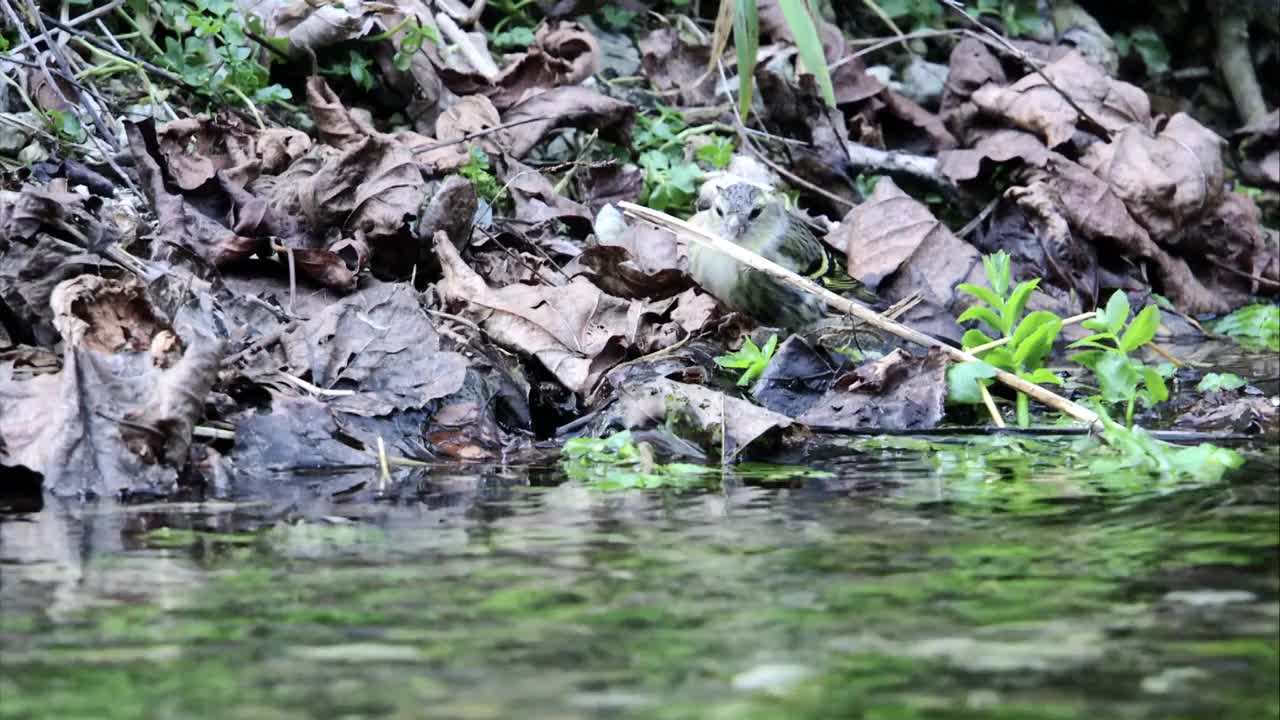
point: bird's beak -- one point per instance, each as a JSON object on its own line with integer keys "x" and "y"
{"x": 732, "y": 227}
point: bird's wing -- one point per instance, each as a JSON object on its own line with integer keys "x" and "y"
{"x": 806, "y": 255}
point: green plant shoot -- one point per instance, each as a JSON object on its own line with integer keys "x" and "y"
{"x": 1108, "y": 355}
{"x": 1031, "y": 337}
{"x": 750, "y": 358}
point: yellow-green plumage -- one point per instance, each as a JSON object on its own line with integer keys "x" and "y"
{"x": 745, "y": 215}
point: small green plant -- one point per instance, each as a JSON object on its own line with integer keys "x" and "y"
{"x": 616, "y": 18}
{"x": 799, "y": 16}
{"x": 1256, "y": 327}
{"x": 211, "y": 50}
{"x": 516, "y": 38}
{"x": 66, "y": 126}
{"x": 619, "y": 463}
{"x": 413, "y": 35}
{"x": 716, "y": 152}
{"x": 1119, "y": 375}
{"x": 1031, "y": 337}
{"x": 750, "y": 358}
{"x": 1134, "y": 448}
{"x": 356, "y": 66}
{"x": 1213, "y": 382}
{"x": 866, "y": 184}
{"x": 668, "y": 185}
{"x": 478, "y": 171}
{"x": 1144, "y": 42}
{"x": 671, "y": 181}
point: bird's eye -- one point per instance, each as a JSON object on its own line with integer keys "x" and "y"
{"x": 755, "y": 213}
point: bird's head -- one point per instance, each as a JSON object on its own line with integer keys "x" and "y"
{"x": 737, "y": 207}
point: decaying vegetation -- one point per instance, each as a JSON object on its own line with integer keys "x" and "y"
{"x": 239, "y": 241}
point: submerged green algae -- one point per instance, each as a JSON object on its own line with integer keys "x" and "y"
{"x": 892, "y": 584}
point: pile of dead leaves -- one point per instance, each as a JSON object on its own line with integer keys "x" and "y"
{"x": 232, "y": 309}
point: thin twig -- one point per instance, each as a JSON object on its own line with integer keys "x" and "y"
{"x": 991, "y": 405}
{"x": 1097, "y": 127}
{"x": 867, "y": 315}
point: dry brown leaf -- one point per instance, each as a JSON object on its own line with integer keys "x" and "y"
{"x": 576, "y": 331}
{"x": 1031, "y": 104}
{"x": 380, "y": 344}
{"x": 573, "y": 106}
{"x": 109, "y": 422}
{"x": 676, "y": 65}
{"x": 708, "y": 412}
{"x": 1094, "y": 210}
{"x": 1001, "y": 146}
{"x": 897, "y": 392}
{"x": 645, "y": 262}
{"x": 1258, "y": 145}
{"x": 1165, "y": 180}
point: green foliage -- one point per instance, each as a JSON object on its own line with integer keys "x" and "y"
{"x": 616, "y": 18}
{"x": 1256, "y": 327}
{"x": 66, "y": 126}
{"x": 717, "y": 152}
{"x": 1031, "y": 337}
{"x": 356, "y": 66}
{"x": 750, "y": 358}
{"x": 1144, "y": 42}
{"x": 746, "y": 42}
{"x": 1134, "y": 448}
{"x": 1221, "y": 381}
{"x": 671, "y": 181}
{"x": 866, "y": 184}
{"x": 618, "y": 463}
{"x": 799, "y": 16}
{"x": 477, "y": 170}
{"x": 413, "y": 35}
{"x": 668, "y": 184}
{"x": 517, "y": 38}
{"x": 211, "y": 50}
{"x": 1249, "y": 191}
{"x": 1119, "y": 375}
{"x": 1019, "y": 17}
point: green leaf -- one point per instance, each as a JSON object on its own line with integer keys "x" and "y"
{"x": 1031, "y": 324}
{"x": 1017, "y": 301}
{"x": 997, "y": 269}
{"x": 809, "y": 45}
{"x": 1221, "y": 381}
{"x": 746, "y": 42}
{"x": 1117, "y": 311}
{"x": 962, "y": 381}
{"x": 1088, "y": 359}
{"x": 983, "y": 294}
{"x": 1151, "y": 49}
{"x": 977, "y": 312}
{"x": 1155, "y": 384}
{"x": 718, "y": 152}
{"x": 1254, "y": 326}
{"x": 1142, "y": 330}
{"x": 516, "y": 38}
{"x": 1097, "y": 323}
{"x": 1117, "y": 377}
{"x": 974, "y": 338}
{"x": 1043, "y": 376}
{"x": 1030, "y": 351}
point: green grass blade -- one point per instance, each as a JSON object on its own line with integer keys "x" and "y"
{"x": 809, "y": 44}
{"x": 746, "y": 40}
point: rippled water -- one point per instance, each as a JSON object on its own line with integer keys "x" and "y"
{"x": 886, "y": 582}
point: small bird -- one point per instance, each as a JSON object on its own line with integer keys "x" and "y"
{"x": 748, "y": 216}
